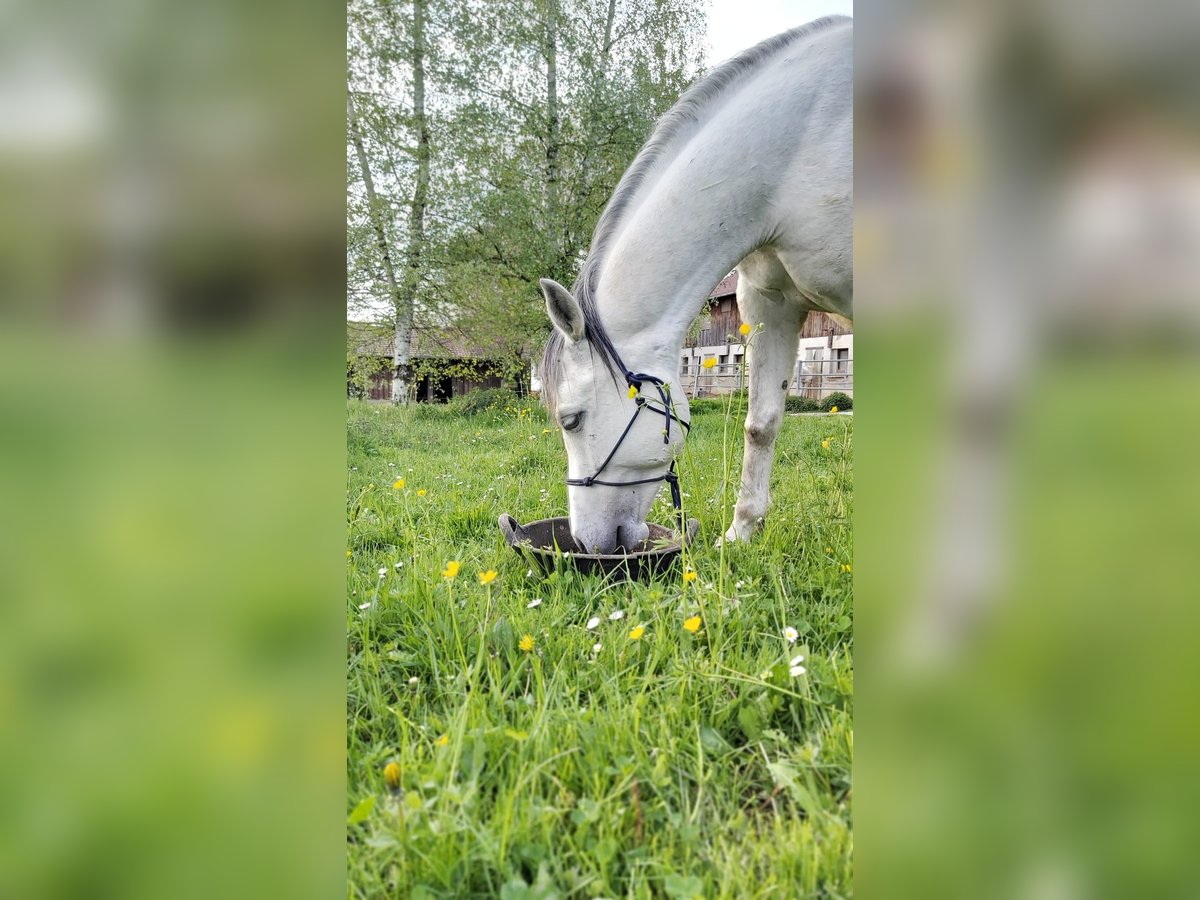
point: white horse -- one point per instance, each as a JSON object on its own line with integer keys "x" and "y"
{"x": 751, "y": 168}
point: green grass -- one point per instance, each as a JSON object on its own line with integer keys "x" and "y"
{"x": 667, "y": 766}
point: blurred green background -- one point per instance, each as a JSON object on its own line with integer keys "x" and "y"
{"x": 1027, "y": 219}
{"x": 172, "y": 461}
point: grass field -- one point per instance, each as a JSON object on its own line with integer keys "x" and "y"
{"x": 535, "y": 757}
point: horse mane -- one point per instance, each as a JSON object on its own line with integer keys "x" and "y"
{"x": 674, "y": 122}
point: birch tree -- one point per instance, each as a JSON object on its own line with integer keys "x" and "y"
{"x": 486, "y": 138}
{"x": 387, "y": 77}
{"x": 571, "y": 93}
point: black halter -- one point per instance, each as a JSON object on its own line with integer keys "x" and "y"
{"x": 635, "y": 380}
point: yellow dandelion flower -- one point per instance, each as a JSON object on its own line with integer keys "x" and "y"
{"x": 828, "y": 549}
{"x": 442, "y": 741}
{"x": 710, "y": 362}
{"x": 846, "y": 568}
{"x": 391, "y": 774}
{"x": 689, "y": 576}
{"x": 451, "y": 569}
{"x": 744, "y": 329}
{"x": 825, "y": 444}
{"x": 526, "y": 643}
{"x": 635, "y": 634}
{"x": 633, "y": 391}
{"x": 487, "y": 577}
{"x": 347, "y": 554}
{"x": 832, "y": 410}
{"x": 398, "y": 484}
{"x": 692, "y": 625}
{"x": 422, "y": 492}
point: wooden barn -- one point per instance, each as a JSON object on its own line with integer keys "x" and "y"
{"x": 824, "y": 362}
{"x": 445, "y": 364}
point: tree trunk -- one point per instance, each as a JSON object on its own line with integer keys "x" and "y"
{"x": 606, "y": 50}
{"x": 520, "y": 377}
{"x": 416, "y": 215}
{"x": 403, "y": 323}
{"x": 552, "y": 125}
{"x": 593, "y": 124}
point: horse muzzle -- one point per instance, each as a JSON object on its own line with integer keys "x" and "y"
{"x": 604, "y": 537}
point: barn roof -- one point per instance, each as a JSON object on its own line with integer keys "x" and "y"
{"x": 375, "y": 339}
{"x": 818, "y": 324}
{"x": 725, "y": 287}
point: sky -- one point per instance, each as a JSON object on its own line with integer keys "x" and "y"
{"x": 734, "y": 25}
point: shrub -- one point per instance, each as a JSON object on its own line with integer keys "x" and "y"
{"x": 838, "y": 399}
{"x": 703, "y": 405}
{"x": 795, "y": 404}
{"x": 483, "y": 400}
{"x": 430, "y": 411}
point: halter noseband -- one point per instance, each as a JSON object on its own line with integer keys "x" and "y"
{"x": 635, "y": 380}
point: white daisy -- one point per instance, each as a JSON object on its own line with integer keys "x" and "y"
{"x": 797, "y": 671}
{"x": 534, "y": 603}
{"x": 399, "y": 565}
{"x": 790, "y": 634}
{"x": 615, "y": 615}
{"x": 796, "y": 660}
{"x": 597, "y": 647}
{"x": 593, "y": 622}
{"x": 382, "y": 571}
{"x": 414, "y": 680}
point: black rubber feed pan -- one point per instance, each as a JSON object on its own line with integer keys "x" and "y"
{"x": 548, "y": 545}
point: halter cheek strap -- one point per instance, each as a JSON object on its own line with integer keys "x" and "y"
{"x": 636, "y": 380}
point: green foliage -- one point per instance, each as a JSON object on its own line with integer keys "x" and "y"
{"x": 838, "y": 399}
{"x": 701, "y": 322}
{"x": 361, "y": 370}
{"x": 675, "y": 765}
{"x": 518, "y": 174}
{"x": 795, "y": 404}
{"x": 705, "y": 405}
{"x": 496, "y": 404}
{"x": 792, "y": 403}
{"x": 482, "y": 400}
{"x": 433, "y": 412}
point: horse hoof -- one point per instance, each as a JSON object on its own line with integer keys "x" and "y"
{"x": 739, "y": 532}
{"x": 729, "y": 537}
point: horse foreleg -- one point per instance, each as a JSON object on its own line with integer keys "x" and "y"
{"x": 772, "y": 357}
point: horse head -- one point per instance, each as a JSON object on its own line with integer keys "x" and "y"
{"x": 621, "y": 434}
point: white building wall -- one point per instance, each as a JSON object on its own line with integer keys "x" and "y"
{"x": 823, "y": 366}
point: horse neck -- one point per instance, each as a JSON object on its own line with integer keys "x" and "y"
{"x": 675, "y": 244}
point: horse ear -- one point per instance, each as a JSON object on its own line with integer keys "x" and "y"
{"x": 563, "y": 309}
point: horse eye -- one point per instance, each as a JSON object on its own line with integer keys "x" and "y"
{"x": 571, "y": 422}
